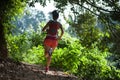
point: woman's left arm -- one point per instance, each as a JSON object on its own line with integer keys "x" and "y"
{"x": 45, "y": 27}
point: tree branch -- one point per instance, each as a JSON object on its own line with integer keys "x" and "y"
{"x": 98, "y": 8}
{"x": 88, "y": 9}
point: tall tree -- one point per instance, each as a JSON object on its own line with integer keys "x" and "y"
{"x": 85, "y": 29}
{"x": 8, "y": 9}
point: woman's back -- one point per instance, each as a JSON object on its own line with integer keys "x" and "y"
{"x": 53, "y": 28}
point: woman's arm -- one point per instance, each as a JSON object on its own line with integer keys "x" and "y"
{"x": 62, "y": 32}
{"x": 45, "y": 27}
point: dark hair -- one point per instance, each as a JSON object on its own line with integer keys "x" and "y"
{"x": 55, "y": 14}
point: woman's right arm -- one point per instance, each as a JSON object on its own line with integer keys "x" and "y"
{"x": 62, "y": 32}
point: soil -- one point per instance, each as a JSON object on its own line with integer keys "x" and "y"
{"x": 11, "y": 70}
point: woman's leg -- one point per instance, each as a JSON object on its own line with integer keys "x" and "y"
{"x": 48, "y": 63}
{"x": 47, "y": 44}
{"x": 46, "y": 51}
{"x": 48, "y": 58}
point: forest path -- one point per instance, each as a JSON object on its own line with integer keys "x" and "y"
{"x": 10, "y": 70}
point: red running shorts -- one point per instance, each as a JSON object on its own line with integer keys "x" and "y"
{"x": 53, "y": 43}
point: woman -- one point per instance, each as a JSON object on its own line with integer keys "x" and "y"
{"x": 51, "y": 40}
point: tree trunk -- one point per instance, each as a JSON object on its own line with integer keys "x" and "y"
{"x": 3, "y": 43}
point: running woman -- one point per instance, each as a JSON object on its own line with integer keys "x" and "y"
{"x": 51, "y": 40}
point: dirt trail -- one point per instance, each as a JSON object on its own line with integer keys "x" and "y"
{"x": 10, "y": 70}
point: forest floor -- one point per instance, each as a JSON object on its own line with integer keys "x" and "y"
{"x": 11, "y": 70}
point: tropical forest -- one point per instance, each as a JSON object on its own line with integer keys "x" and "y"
{"x": 88, "y": 50}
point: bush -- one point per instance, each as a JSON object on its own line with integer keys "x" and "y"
{"x": 67, "y": 58}
{"x": 34, "y": 55}
{"x": 70, "y": 56}
{"x": 88, "y": 64}
{"x": 18, "y": 45}
{"x": 94, "y": 66}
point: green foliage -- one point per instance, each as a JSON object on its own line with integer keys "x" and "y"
{"x": 85, "y": 29}
{"x": 20, "y": 44}
{"x": 34, "y": 55}
{"x": 27, "y": 49}
{"x": 17, "y": 45}
{"x": 11, "y": 8}
{"x": 87, "y": 63}
{"x": 36, "y": 38}
{"x": 94, "y": 66}
{"x": 67, "y": 58}
{"x": 92, "y": 61}
{"x": 115, "y": 39}
{"x": 74, "y": 56}
{"x": 66, "y": 40}
{"x": 92, "y": 6}
{"x": 82, "y": 57}
{"x": 8, "y": 9}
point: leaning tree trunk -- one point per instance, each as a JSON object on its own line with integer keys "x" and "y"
{"x": 3, "y": 43}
